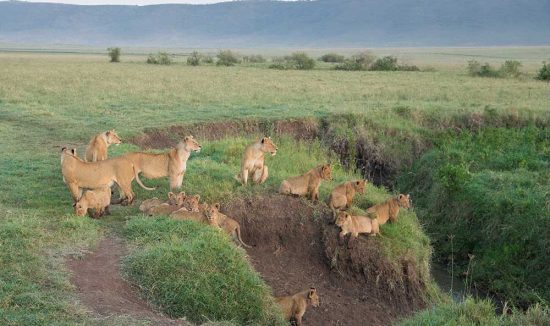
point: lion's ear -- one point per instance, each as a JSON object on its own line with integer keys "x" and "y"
{"x": 263, "y": 140}
{"x": 198, "y": 197}
{"x": 73, "y": 151}
{"x": 170, "y": 195}
{"x": 109, "y": 132}
{"x": 74, "y": 205}
{"x": 63, "y": 149}
{"x": 401, "y": 196}
{"x": 312, "y": 292}
{"x": 217, "y": 205}
{"x": 357, "y": 182}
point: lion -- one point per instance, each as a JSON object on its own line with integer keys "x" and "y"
{"x": 227, "y": 224}
{"x": 191, "y": 203}
{"x": 79, "y": 175}
{"x": 389, "y": 209}
{"x": 356, "y": 225}
{"x": 172, "y": 164}
{"x": 174, "y": 203}
{"x": 294, "y": 306}
{"x": 97, "y": 148}
{"x": 183, "y": 214}
{"x": 342, "y": 196}
{"x": 252, "y": 163}
{"x": 308, "y": 183}
{"x": 172, "y": 200}
{"x": 96, "y": 200}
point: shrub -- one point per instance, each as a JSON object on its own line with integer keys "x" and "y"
{"x": 510, "y": 68}
{"x": 194, "y": 59}
{"x": 544, "y": 72}
{"x": 387, "y": 63}
{"x": 255, "y": 58}
{"x": 332, "y": 57}
{"x": 114, "y": 54}
{"x": 207, "y": 59}
{"x": 227, "y": 58}
{"x": 161, "y": 58}
{"x": 360, "y": 61}
{"x": 300, "y": 61}
{"x": 474, "y": 67}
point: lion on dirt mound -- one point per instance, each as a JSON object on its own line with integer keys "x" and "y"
{"x": 308, "y": 183}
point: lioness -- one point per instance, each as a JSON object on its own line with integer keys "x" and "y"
{"x": 94, "y": 202}
{"x": 79, "y": 175}
{"x": 171, "y": 164}
{"x": 150, "y": 203}
{"x": 97, "y": 148}
{"x": 342, "y": 196}
{"x": 389, "y": 209}
{"x": 356, "y": 225}
{"x": 252, "y": 163}
{"x": 174, "y": 203}
{"x": 308, "y": 183}
{"x": 227, "y": 224}
{"x": 294, "y": 306}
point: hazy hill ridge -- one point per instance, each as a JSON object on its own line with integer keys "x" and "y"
{"x": 272, "y": 23}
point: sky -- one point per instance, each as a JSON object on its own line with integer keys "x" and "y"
{"x": 128, "y": 2}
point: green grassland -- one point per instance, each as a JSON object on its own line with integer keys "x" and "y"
{"x": 47, "y": 101}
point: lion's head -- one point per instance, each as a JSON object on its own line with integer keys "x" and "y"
{"x": 359, "y": 186}
{"x": 176, "y": 199}
{"x": 112, "y": 137}
{"x": 211, "y": 213}
{"x": 190, "y": 144}
{"x": 80, "y": 208}
{"x": 325, "y": 171}
{"x": 404, "y": 200}
{"x": 342, "y": 218}
{"x": 313, "y": 297}
{"x": 268, "y": 146}
{"x": 192, "y": 203}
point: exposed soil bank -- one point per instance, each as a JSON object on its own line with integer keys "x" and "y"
{"x": 293, "y": 251}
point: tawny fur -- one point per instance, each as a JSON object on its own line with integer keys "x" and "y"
{"x": 308, "y": 183}
{"x": 389, "y": 209}
{"x": 175, "y": 202}
{"x": 171, "y": 164}
{"x": 252, "y": 164}
{"x": 356, "y": 225}
{"x": 172, "y": 200}
{"x": 94, "y": 202}
{"x": 227, "y": 224}
{"x": 185, "y": 215}
{"x": 191, "y": 203}
{"x": 97, "y": 148}
{"x": 341, "y": 197}
{"x": 294, "y": 306}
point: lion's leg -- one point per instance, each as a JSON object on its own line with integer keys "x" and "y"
{"x": 75, "y": 191}
{"x": 314, "y": 194}
{"x": 265, "y": 174}
{"x": 244, "y": 175}
{"x": 258, "y": 175}
{"x": 176, "y": 181}
{"x": 126, "y": 194}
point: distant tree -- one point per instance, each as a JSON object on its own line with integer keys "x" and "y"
{"x": 161, "y": 58}
{"x": 387, "y": 63}
{"x": 544, "y": 72}
{"x": 301, "y": 61}
{"x": 332, "y": 57}
{"x": 227, "y": 58}
{"x": 256, "y": 58}
{"x": 510, "y": 68}
{"x": 114, "y": 54}
{"x": 207, "y": 59}
{"x": 194, "y": 59}
{"x": 360, "y": 61}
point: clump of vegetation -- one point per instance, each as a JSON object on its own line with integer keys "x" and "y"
{"x": 194, "y": 59}
{"x": 255, "y": 58}
{"x": 161, "y": 58}
{"x": 367, "y": 61}
{"x": 114, "y": 54}
{"x": 228, "y": 58}
{"x": 544, "y": 72}
{"x": 208, "y": 59}
{"x": 332, "y": 57}
{"x": 297, "y": 60}
{"x": 509, "y": 68}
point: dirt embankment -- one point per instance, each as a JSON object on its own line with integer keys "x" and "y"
{"x": 295, "y": 247}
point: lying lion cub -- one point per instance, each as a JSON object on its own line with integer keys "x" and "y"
{"x": 389, "y": 209}
{"x": 172, "y": 164}
{"x": 94, "y": 202}
{"x": 183, "y": 214}
{"x": 308, "y": 183}
{"x": 294, "y": 306}
{"x": 342, "y": 196}
{"x": 356, "y": 225}
{"x": 97, "y": 148}
{"x": 252, "y": 163}
{"x": 227, "y": 224}
{"x": 172, "y": 200}
{"x": 174, "y": 203}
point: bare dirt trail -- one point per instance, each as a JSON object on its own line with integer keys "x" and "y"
{"x": 101, "y": 288}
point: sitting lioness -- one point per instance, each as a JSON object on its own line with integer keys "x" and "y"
{"x": 97, "y": 148}
{"x": 94, "y": 202}
{"x": 172, "y": 164}
{"x": 252, "y": 163}
{"x": 389, "y": 209}
{"x": 79, "y": 175}
{"x": 150, "y": 203}
{"x": 356, "y": 225}
{"x": 227, "y": 224}
{"x": 342, "y": 196}
{"x": 294, "y": 306}
{"x": 308, "y": 183}
{"x": 174, "y": 203}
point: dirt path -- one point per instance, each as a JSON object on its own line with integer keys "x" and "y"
{"x": 102, "y": 289}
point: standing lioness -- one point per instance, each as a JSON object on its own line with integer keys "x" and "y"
{"x": 171, "y": 164}
{"x": 389, "y": 209}
{"x": 308, "y": 183}
{"x": 294, "y": 306}
{"x": 342, "y": 196}
{"x": 97, "y": 148}
{"x": 252, "y": 163}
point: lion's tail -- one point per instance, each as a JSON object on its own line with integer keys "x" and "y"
{"x": 136, "y": 174}
{"x": 240, "y": 239}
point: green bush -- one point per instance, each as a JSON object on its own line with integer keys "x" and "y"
{"x": 255, "y": 58}
{"x": 114, "y": 54}
{"x": 544, "y": 72}
{"x": 161, "y": 58}
{"x": 208, "y": 59}
{"x": 194, "y": 59}
{"x": 510, "y": 68}
{"x": 332, "y": 57}
{"x": 360, "y": 61}
{"x": 297, "y": 60}
{"x": 227, "y": 58}
{"x": 387, "y": 63}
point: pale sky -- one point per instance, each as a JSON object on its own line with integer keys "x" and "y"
{"x": 128, "y": 2}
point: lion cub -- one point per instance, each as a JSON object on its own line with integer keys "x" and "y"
{"x": 97, "y": 148}
{"x": 389, "y": 209}
{"x": 94, "y": 202}
{"x": 191, "y": 203}
{"x": 294, "y": 306}
{"x": 252, "y": 163}
{"x": 342, "y": 196}
{"x": 227, "y": 224}
{"x": 172, "y": 200}
{"x": 174, "y": 203}
{"x": 356, "y": 225}
{"x": 308, "y": 183}
{"x": 183, "y": 214}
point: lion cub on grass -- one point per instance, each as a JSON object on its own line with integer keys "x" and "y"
{"x": 389, "y": 209}
{"x": 227, "y": 224}
{"x": 97, "y": 148}
{"x": 172, "y": 200}
{"x": 94, "y": 202}
{"x": 174, "y": 203}
{"x": 342, "y": 196}
{"x": 356, "y": 225}
{"x": 252, "y": 163}
{"x": 308, "y": 183}
{"x": 294, "y": 306}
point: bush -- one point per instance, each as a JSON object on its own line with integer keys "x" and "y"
{"x": 255, "y": 58}
{"x": 332, "y": 57}
{"x": 544, "y": 72}
{"x": 387, "y": 63}
{"x": 510, "y": 68}
{"x": 161, "y": 58}
{"x": 194, "y": 59}
{"x": 297, "y": 60}
{"x": 207, "y": 59}
{"x": 360, "y": 61}
{"x": 227, "y": 58}
{"x": 114, "y": 54}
